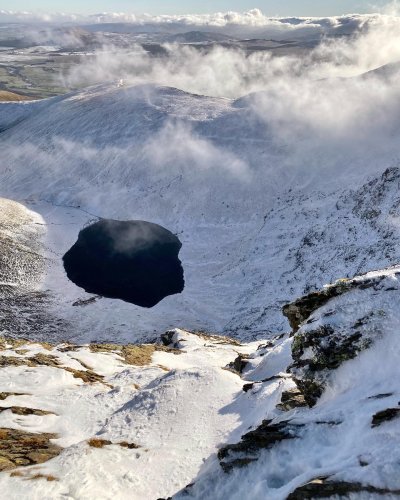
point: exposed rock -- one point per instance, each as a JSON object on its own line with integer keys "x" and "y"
{"x": 248, "y": 387}
{"x": 100, "y": 443}
{"x": 322, "y": 488}
{"x": 5, "y": 395}
{"x": 85, "y": 302}
{"x": 167, "y": 338}
{"x": 300, "y": 310}
{"x": 22, "y": 410}
{"x": 290, "y": 399}
{"x": 130, "y": 446}
{"x": 9, "y": 342}
{"x": 12, "y": 361}
{"x": 48, "y": 477}
{"x": 218, "y": 339}
{"x": 239, "y": 364}
{"x": 336, "y": 337}
{"x": 88, "y": 376}
{"x": 41, "y": 359}
{"x": 21, "y": 262}
{"x": 247, "y": 450}
{"x": 21, "y": 448}
{"x": 385, "y": 416}
{"x": 329, "y": 349}
{"x": 382, "y": 396}
{"x": 137, "y": 355}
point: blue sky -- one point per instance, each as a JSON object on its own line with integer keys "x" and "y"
{"x": 269, "y": 7}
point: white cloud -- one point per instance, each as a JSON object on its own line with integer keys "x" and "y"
{"x": 252, "y": 20}
{"x": 307, "y": 113}
{"x": 225, "y": 72}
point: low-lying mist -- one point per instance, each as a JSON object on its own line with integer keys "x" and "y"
{"x": 283, "y": 120}
{"x": 230, "y": 72}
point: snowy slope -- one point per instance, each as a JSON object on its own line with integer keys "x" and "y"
{"x": 346, "y": 445}
{"x": 262, "y": 219}
{"x": 212, "y": 417}
{"x": 164, "y": 405}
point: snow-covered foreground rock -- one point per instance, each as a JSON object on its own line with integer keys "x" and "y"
{"x": 130, "y": 421}
{"x": 311, "y": 415}
{"x": 336, "y": 433}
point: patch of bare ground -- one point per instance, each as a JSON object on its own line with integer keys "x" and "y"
{"x": 137, "y": 355}
{"x": 218, "y": 339}
{"x": 324, "y": 488}
{"x": 33, "y": 477}
{"x": 41, "y": 359}
{"x": 6, "y": 95}
{"x": 88, "y": 376}
{"x": 23, "y": 411}
{"x": 20, "y": 448}
{"x": 5, "y": 395}
{"x": 101, "y": 443}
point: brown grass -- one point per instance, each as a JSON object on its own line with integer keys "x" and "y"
{"x": 164, "y": 368}
{"x": 136, "y": 355}
{"x": 48, "y": 477}
{"x": 5, "y": 95}
{"x": 23, "y": 411}
{"x": 17, "y": 473}
{"x": 98, "y": 443}
{"x": 130, "y": 446}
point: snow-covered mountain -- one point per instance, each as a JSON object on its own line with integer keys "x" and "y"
{"x": 257, "y": 381}
{"x": 259, "y": 226}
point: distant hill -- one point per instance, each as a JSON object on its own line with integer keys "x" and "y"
{"x": 5, "y": 95}
{"x": 198, "y": 37}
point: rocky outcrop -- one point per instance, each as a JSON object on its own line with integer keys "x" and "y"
{"x": 21, "y": 448}
{"x": 238, "y": 364}
{"x": 325, "y": 336}
{"x": 101, "y": 443}
{"x": 291, "y": 399}
{"x": 385, "y": 416}
{"x": 300, "y": 310}
{"x": 331, "y": 327}
{"x": 247, "y": 450}
{"x": 325, "y": 488}
{"x": 23, "y": 411}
